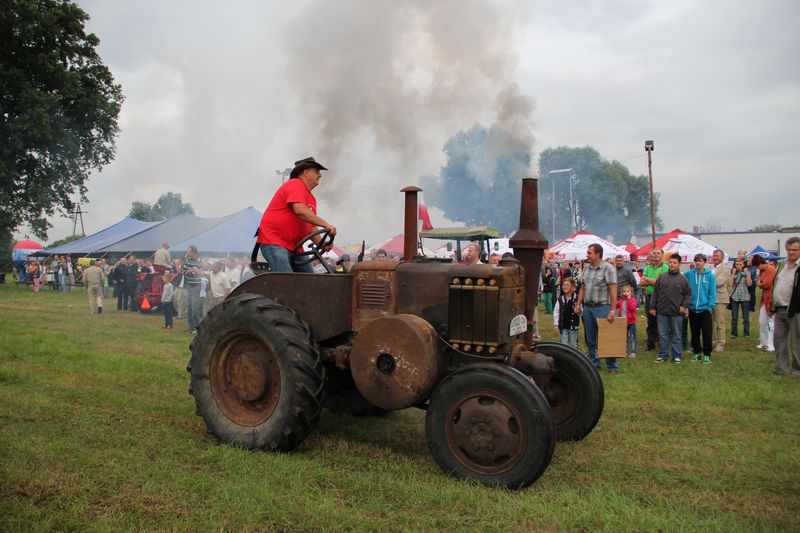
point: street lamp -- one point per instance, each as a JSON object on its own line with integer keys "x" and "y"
{"x": 553, "y": 200}
{"x": 649, "y": 147}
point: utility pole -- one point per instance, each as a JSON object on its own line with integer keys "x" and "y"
{"x": 76, "y": 215}
{"x": 649, "y": 147}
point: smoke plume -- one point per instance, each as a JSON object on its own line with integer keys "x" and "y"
{"x": 385, "y": 84}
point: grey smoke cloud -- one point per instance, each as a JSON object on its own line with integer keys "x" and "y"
{"x": 394, "y": 80}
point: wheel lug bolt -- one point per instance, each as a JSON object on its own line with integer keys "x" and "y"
{"x": 496, "y": 433}
{"x": 490, "y": 447}
{"x": 486, "y": 419}
{"x": 477, "y": 448}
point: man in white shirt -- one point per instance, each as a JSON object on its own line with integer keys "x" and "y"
{"x": 219, "y": 285}
{"x": 786, "y": 306}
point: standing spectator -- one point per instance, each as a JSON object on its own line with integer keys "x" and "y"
{"x": 670, "y": 305}
{"x": 472, "y": 254}
{"x": 548, "y": 286}
{"x": 565, "y": 319}
{"x": 766, "y": 277}
{"x": 63, "y": 275}
{"x": 381, "y": 255}
{"x": 55, "y": 268}
{"x": 626, "y": 306}
{"x": 722, "y": 275}
{"x": 167, "y": 295}
{"x": 220, "y": 286}
{"x": 162, "y": 260}
{"x": 753, "y": 276}
{"x": 93, "y": 278}
{"x": 786, "y": 306}
{"x": 132, "y": 282}
{"x": 597, "y": 293}
{"x": 648, "y": 281}
{"x": 741, "y": 282}
{"x": 345, "y": 263}
{"x": 192, "y": 277}
{"x": 34, "y": 274}
{"x": 118, "y": 276}
{"x": 70, "y": 273}
{"x": 179, "y": 302}
{"x": 625, "y": 276}
{"x": 494, "y": 259}
{"x": 704, "y": 298}
{"x": 233, "y": 270}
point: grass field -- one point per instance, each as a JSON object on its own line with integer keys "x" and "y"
{"x": 98, "y": 433}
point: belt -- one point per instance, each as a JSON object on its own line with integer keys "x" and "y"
{"x": 593, "y": 304}
{"x": 781, "y": 307}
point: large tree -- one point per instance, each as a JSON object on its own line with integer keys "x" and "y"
{"x": 597, "y": 195}
{"x": 168, "y": 205}
{"x": 479, "y": 183}
{"x": 58, "y": 111}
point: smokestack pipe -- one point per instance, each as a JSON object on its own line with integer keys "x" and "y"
{"x": 529, "y": 246}
{"x": 410, "y": 236}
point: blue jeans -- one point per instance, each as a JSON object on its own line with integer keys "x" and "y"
{"x": 669, "y": 332}
{"x": 744, "y": 307}
{"x": 570, "y": 337}
{"x": 632, "y": 337}
{"x": 590, "y": 317}
{"x": 280, "y": 259}
{"x": 168, "y": 312}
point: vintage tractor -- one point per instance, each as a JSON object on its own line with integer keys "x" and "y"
{"x": 454, "y": 340}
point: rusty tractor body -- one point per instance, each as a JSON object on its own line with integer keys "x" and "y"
{"x": 452, "y": 339}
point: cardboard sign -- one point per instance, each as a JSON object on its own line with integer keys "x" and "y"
{"x": 612, "y": 337}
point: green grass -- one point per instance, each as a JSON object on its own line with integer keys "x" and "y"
{"x": 98, "y": 432}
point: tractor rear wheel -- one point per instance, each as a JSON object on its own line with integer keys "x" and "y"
{"x": 257, "y": 377}
{"x": 575, "y": 392}
{"x": 490, "y": 423}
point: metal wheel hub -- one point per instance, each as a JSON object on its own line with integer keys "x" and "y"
{"x": 484, "y": 432}
{"x": 245, "y": 379}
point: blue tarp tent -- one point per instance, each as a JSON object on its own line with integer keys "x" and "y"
{"x": 91, "y": 244}
{"x": 232, "y": 234}
{"x": 758, "y": 250}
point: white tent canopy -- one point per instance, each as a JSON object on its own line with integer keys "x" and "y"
{"x": 574, "y": 247}
{"x": 687, "y": 246}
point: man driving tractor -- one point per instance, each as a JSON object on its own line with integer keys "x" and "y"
{"x": 290, "y": 216}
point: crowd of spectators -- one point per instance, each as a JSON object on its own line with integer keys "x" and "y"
{"x": 703, "y": 299}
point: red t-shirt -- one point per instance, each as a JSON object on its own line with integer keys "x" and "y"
{"x": 279, "y": 223}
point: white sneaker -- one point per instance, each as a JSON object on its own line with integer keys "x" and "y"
{"x": 770, "y": 349}
{"x": 632, "y": 355}
{"x": 760, "y": 346}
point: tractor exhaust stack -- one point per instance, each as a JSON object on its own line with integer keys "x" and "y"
{"x": 529, "y": 246}
{"x": 410, "y": 236}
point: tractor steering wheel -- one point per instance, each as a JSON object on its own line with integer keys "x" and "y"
{"x": 301, "y": 256}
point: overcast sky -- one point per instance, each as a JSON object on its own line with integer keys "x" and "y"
{"x": 221, "y": 95}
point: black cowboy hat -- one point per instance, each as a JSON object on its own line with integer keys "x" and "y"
{"x": 300, "y": 166}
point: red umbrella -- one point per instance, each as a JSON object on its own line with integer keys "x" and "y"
{"x": 28, "y": 245}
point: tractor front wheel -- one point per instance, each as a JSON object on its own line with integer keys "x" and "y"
{"x": 490, "y": 424}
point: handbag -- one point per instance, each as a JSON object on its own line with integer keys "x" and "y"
{"x": 730, "y": 305}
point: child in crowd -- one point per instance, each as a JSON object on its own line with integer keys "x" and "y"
{"x": 626, "y": 306}
{"x": 167, "y": 295}
{"x": 565, "y": 320}
{"x": 670, "y": 304}
{"x": 704, "y": 298}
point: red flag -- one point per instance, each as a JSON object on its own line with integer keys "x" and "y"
{"x": 424, "y": 217}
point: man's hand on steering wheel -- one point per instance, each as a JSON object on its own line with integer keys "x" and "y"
{"x": 320, "y": 236}
{"x": 322, "y": 240}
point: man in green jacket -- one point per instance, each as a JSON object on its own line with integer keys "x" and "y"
{"x": 655, "y": 268}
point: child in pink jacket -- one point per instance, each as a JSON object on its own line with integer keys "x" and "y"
{"x": 626, "y": 307}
